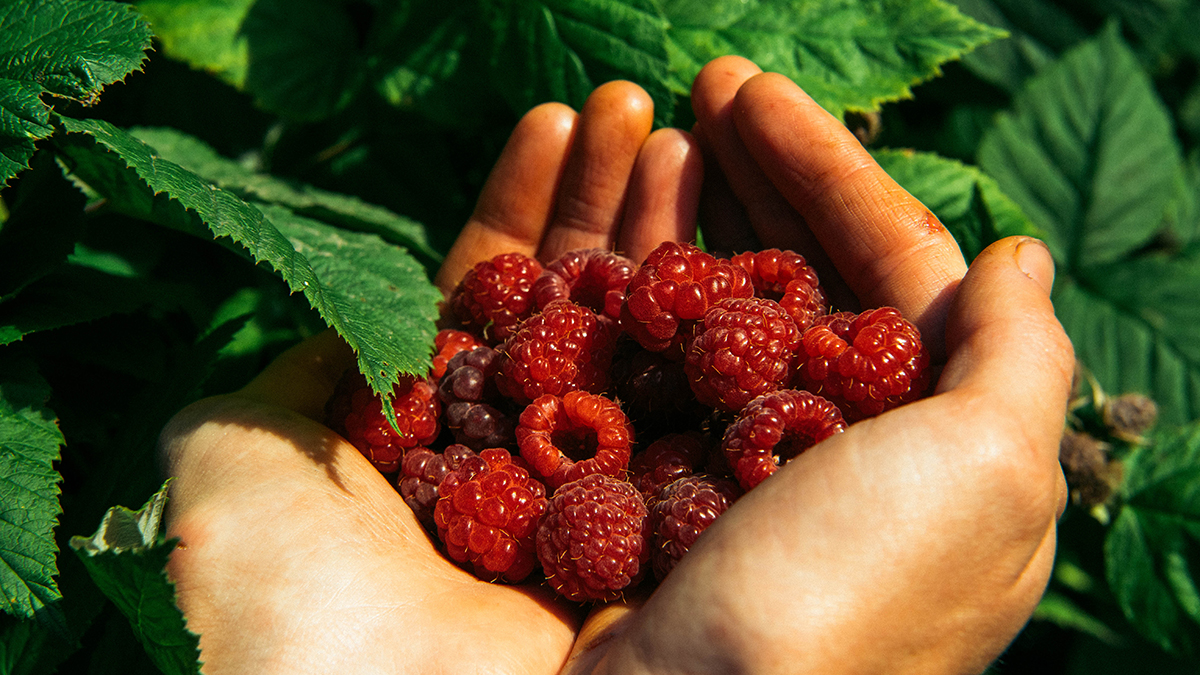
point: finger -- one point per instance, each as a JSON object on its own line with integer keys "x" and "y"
{"x": 664, "y": 193}
{"x": 602, "y": 624}
{"x": 615, "y": 121}
{"x": 1002, "y": 333}
{"x": 723, "y": 219}
{"x": 775, "y": 222}
{"x": 517, "y": 202}
{"x": 302, "y": 378}
{"x": 888, "y": 246}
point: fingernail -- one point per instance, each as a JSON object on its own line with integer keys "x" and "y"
{"x": 1033, "y": 257}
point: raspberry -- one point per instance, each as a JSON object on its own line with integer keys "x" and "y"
{"x": 671, "y": 292}
{"x": 773, "y": 429}
{"x": 567, "y": 438}
{"x": 654, "y": 390}
{"x": 357, "y": 413}
{"x": 496, "y": 295}
{"x": 564, "y": 348}
{"x": 745, "y": 348}
{"x": 784, "y": 276}
{"x": 682, "y": 512}
{"x": 666, "y": 460}
{"x": 468, "y": 392}
{"x": 487, "y": 514}
{"x": 865, "y": 363}
{"x": 592, "y": 540}
{"x": 422, "y": 471}
{"x": 446, "y": 344}
{"x": 592, "y": 277}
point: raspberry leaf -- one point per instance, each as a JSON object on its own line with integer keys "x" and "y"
{"x": 375, "y": 295}
{"x": 1152, "y": 551}
{"x": 1125, "y": 289}
{"x": 559, "y": 50}
{"x": 68, "y": 49}
{"x": 847, "y": 55}
{"x": 127, "y": 562}
{"x": 343, "y": 210}
{"x": 1037, "y": 29}
{"x": 29, "y": 446}
{"x": 1065, "y": 153}
{"x": 966, "y": 200}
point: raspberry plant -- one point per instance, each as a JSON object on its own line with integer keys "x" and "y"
{"x": 141, "y": 190}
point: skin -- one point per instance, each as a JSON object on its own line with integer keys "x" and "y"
{"x": 917, "y": 541}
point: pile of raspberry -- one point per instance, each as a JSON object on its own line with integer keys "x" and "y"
{"x": 586, "y": 421}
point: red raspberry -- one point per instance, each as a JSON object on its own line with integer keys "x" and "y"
{"x": 773, "y": 429}
{"x": 745, "y": 348}
{"x": 446, "y": 344}
{"x": 682, "y": 512}
{"x": 666, "y": 460}
{"x": 592, "y": 540}
{"x": 865, "y": 363}
{"x": 487, "y": 514}
{"x": 785, "y": 276}
{"x": 357, "y": 413}
{"x": 592, "y": 277}
{"x": 567, "y": 438}
{"x": 496, "y": 295}
{"x": 422, "y": 471}
{"x": 671, "y": 292}
{"x": 564, "y": 348}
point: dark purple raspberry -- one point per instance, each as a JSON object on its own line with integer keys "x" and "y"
{"x": 773, "y": 429}
{"x": 671, "y": 292}
{"x": 422, "y": 471}
{"x": 682, "y": 512}
{"x": 592, "y": 540}
{"x": 566, "y": 438}
{"x": 564, "y": 348}
{"x": 358, "y": 414}
{"x": 487, "y": 514}
{"x": 594, "y": 278}
{"x": 864, "y": 363}
{"x": 496, "y": 295}
{"x": 654, "y": 391}
{"x": 472, "y": 403}
{"x": 785, "y": 276}
{"x": 745, "y": 348}
{"x": 666, "y": 460}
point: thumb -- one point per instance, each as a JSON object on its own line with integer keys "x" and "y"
{"x": 1005, "y": 344}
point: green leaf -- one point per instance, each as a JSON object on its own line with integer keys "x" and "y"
{"x": 44, "y": 224}
{"x": 1061, "y": 611}
{"x": 205, "y": 33}
{"x": 1070, "y": 151}
{"x": 1152, "y": 552}
{"x": 1164, "y": 28}
{"x": 66, "y": 48}
{"x": 434, "y": 59}
{"x": 29, "y": 445}
{"x": 559, "y": 50}
{"x": 1038, "y": 30}
{"x": 350, "y": 278}
{"x": 966, "y": 200}
{"x": 343, "y": 210}
{"x": 1088, "y": 153}
{"x": 128, "y": 564}
{"x": 846, "y": 54}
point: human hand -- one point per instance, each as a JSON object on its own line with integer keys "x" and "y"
{"x": 296, "y": 555}
{"x": 918, "y": 541}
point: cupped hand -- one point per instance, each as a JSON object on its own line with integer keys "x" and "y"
{"x": 918, "y": 541}
{"x": 296, "y": 555}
